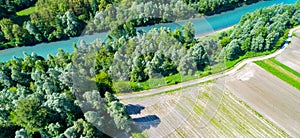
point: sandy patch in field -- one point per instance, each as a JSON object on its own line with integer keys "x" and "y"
{"x": 274, "y": 99}
{"x": 291, "y": 56}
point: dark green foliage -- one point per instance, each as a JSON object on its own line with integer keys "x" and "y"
{"x": 29, "y": 114}
{"x": 6, "y": 132}
{"x": 103, "y": 82}
{"x": 209, "y": 7}
{"x": 225, "y": 41}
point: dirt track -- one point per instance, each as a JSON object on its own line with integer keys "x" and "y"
{"x": 291, "y": 56}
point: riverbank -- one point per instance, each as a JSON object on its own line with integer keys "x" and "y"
{"x": 88, "y": 26}
{"x": 214, "y": 33}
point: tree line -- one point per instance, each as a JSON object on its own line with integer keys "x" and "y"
{"x": 260, "y": 31}
{"x": 210, "y": 7}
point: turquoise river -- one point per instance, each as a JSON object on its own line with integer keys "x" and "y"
{"x": 202, "y": 26}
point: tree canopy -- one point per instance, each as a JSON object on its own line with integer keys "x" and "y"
{"x": 71, "y": 94}
{"x": 39, "y": 99}
{"x": 261, "y": 30}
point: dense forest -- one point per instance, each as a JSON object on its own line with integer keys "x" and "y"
{"x": 209, "y": 7}
{"x": 260, "y": 31}
{"x": 38, "y": 98}
{"x": 52, "y": 20}
{"x": 71, "y": 94}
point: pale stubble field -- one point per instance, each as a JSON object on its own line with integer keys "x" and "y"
{"x": 206, "y": 110}
{"x": 276, "y": 100}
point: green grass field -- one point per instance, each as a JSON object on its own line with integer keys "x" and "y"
{"x": 127, "y": 86}
{"x": 285, "y": 67}
{"x": 26, "y": 12}
{"x": 281, "y": 71}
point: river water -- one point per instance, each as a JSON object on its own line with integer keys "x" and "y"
{"x": 202, "y": 26}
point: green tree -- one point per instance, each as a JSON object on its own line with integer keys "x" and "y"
{"x": 31, "y": 28}
{"x": 6, "y": 27}
{"x": 137, "y": 73}
{"x": 200, "y": 56}
{"x": 81, "y": 128}
{"x": 117, "y": 111}
{"x": 104, "y": 83}
{"x": 246, "y": 45}
{"x": 29, "y": 114}
{"x": 188, "y": 31}
{"x": 18, "y": 34}
{"x": 129, "y": 29}
{"x": 225, "y": 41}
{"x": 54, "y": 129}
{"x": 73, "y": 25}
{"x": 233, "y": 50}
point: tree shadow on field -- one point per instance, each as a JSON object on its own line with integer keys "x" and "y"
{"x": 141, "y": 123}
{"x": 134, "y": 109}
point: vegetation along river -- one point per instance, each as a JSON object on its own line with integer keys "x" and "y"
{"x": 202, "y": 26}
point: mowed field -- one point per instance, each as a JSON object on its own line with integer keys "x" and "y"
{"x": 206, "y": 110}
{"x": 275, "y": 99}
{"x": 291, "y": 56}
{"x": 281, "y": 71}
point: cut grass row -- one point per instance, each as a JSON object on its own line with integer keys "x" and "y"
{"x": 285, "y": 67}
{"x": 26, "y": 12}
{"x": 281, "y": 71}
{"x": 127, "y": 86}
